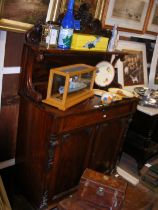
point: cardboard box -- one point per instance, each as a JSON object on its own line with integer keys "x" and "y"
{"x": 89, "y": 42}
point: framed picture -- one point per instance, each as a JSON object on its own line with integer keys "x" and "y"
{"x": 132, "y": 72}
{"x": 126, "y": 14}
{"x": 96, "y": 6}
{"x": 153, "y": 19}
{"x": 21, "y": 15}
{"x": 153, "y": 75}
{"x": 4, "y": 202}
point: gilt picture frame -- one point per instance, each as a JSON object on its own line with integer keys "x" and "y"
{"x": 126, "y": 14}
{"x": 152, "y": 25}
{"x": 21, "y": 15}
{"x": 4, "y": 201}
{"x": 132, "y": 72}
{"x": 153, "y": 75}
{"x": 96, "y": 6}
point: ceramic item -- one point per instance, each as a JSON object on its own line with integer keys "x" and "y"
{"x": 105, "y": 74}
{"x": 73, "y": 87}
{"x": 115, "y": 97}
{"x": 107, "y": 98}
{"x": 121, "y": 92}
{"x": 99, "y": 92}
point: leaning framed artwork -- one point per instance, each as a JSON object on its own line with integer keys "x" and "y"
{"x": 153, "y": 75}
{"x": 152, "y": 25}
{"x": 21, "y": 15}
{"x": 132, "y": 72}
{"x": 126, "y": 14}
{"x": 4, "y": 202}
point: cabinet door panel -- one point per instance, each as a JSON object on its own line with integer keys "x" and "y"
{"x": 73, "y": 152}
{"x": 108, "y": 144}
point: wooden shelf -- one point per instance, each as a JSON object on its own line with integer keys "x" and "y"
{"x": 41, "y": 60}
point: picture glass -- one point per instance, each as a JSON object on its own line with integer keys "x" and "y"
{"x": 126, "y": 14}
{"x": 132, "y": 71}
{"x": 156, "y": 74}
{"x": 153, "y": 19}
{"x": 133, "y": 68}
{"x": 130, "y": 10}
{"x": 153, "y": 76}
{"x": 78, "y": 3}
{"x": 26, "y": 11}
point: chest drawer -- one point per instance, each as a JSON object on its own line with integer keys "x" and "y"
{"x": 95, "y": 116}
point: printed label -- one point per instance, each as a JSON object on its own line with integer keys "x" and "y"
{"x": 65, "y": 38}
{"x": 53, "y": 36}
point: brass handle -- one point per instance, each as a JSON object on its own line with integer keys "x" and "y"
{"x": 100, "y": 191}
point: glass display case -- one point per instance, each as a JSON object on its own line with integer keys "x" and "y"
{"x": 70, "y": 85}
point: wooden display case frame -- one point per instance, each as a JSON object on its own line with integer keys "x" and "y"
{"x": 69, "y": 100}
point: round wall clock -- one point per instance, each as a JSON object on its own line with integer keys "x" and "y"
{"x": 105, "y": 74}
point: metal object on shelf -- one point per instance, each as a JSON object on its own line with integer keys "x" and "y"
{"x": 148, "y": 97}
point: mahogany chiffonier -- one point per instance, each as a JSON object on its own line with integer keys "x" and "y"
{"x": 54, "y": 147}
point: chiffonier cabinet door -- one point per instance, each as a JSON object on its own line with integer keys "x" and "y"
{"x": 108, "y": 143}
{"x": 73, "y": 154}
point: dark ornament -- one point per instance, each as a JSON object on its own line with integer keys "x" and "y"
{"x": 88, "y": 24}
{"x": 33, "y": 36}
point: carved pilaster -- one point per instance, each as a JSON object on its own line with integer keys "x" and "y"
{"x": 51, "y": 150}
{"x": 44, "y": 201}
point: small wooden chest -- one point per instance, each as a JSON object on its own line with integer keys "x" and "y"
{"x": 91, "y": 197}
{"x": 102, "y": 190}
{"x": 98, "y": 191}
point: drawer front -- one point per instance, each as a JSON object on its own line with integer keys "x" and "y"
{"x": 96, "y": 116}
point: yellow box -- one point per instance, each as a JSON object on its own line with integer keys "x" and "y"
{"x": 89, "y": 42}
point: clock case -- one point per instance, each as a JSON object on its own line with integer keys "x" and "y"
{"x": 114, "y": 83}
{"x": 113, "y": 60}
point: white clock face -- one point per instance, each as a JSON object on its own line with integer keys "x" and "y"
{"x": 105, "y": 74}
